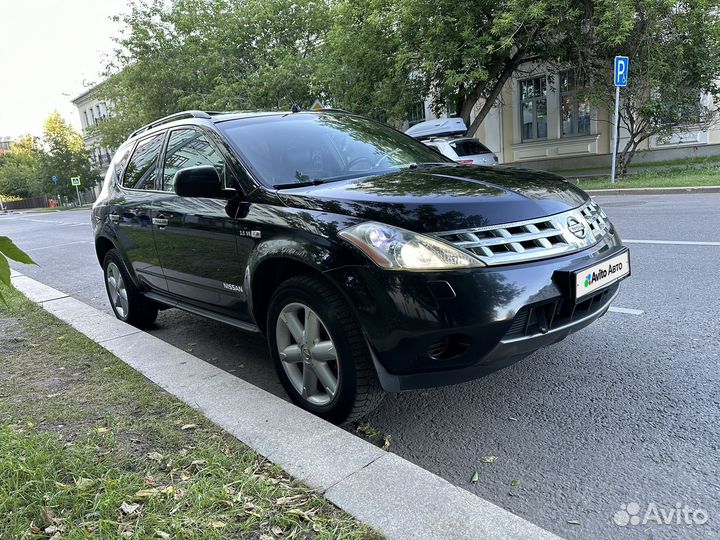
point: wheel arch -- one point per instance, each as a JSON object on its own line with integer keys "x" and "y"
{"x": 103, "y": 244}
{"x": 268, "y": 275}
{"x": 279, "y": 258}
{"x": 270, "y": 272}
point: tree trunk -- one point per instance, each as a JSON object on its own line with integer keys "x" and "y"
{"x": 629, "y": 152}
{"x": 511, "y": 65}
{"x": 620, "y": 161}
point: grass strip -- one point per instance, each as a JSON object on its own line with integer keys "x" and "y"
{"x": 672, "y": 177}
{"x": 89, "y": 448}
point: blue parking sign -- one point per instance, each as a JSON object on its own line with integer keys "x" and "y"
{"x": 622, "y": 64}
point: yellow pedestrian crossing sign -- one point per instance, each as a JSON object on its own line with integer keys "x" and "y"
{"x": 75, "y": 180}
{"x": 317, "y": 105}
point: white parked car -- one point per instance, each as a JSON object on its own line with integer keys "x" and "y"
{"x": 446, "y": 135}
{"x": 466, "y": 150}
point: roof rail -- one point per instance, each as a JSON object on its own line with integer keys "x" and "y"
{"x": 170, "y": 118}
{"x": 331, "y": 109}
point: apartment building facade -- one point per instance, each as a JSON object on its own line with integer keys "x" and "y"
{"x": 543, "y": 120}
{"x": 93, "y": 110}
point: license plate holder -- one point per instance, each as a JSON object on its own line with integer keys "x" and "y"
{"x": 599, "y": 275}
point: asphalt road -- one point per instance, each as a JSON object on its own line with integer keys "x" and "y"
{"x": 625, "y": 411}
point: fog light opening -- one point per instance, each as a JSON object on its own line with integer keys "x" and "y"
{"x": 449, "y": 347}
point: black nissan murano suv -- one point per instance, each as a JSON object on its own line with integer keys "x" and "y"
{"x": 370, "y": 261}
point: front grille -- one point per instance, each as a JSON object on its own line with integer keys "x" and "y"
{"x": 533, "y": 239}
{"x": 543, "y": 317}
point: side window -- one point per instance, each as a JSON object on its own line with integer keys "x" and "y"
{"x": 189, "y": 148}
{"x": 120, "y": 160}
{"x": 142, "y": 169}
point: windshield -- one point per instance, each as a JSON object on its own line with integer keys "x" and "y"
{"x": 305, "y": 147}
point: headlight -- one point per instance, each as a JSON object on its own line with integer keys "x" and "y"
{"x": 398, "y": 249}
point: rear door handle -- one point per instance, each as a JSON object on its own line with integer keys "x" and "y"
{"x": 161, "y": 221}
{"x": 114, "y": 217}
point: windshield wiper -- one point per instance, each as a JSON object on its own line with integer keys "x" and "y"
{"x": 307, "y": 183}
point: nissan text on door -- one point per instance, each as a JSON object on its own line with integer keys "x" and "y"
{"x": 371, "y": 262}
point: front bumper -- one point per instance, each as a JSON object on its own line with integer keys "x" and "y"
{"x": 439, "y": 328}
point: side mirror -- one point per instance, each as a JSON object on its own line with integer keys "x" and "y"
{"x": 203, "y": 181}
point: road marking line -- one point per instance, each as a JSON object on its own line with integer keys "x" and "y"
{"x": 672, "y": 242}
{"x": 627, "y": 311}
{"x": 60, "y": 245}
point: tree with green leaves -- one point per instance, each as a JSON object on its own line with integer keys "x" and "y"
{"x": 457, "y": 53}
{"x": 65, "y": 156}
{"x": 379, "y": 57}
{"x": 674, "y": 51}
{"x": 20, "y": 169}
{"x": 211, "y": 55}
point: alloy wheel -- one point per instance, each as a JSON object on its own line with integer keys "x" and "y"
{"x": 307, "y": 353}
{"x": 117, "y": 290}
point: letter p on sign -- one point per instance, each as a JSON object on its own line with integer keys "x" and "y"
{"x": 622, "y": 63}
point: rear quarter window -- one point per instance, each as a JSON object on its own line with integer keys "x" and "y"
{"x": 118, "y": 163}
{"x": 141, "y": 171}
{"x": 469, "y": 147}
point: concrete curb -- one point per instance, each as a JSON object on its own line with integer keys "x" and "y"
{"x": 395, "y": 497}
{"x": 655, "y": 191}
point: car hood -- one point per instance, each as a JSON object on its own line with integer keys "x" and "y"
{"x": 442, "y": 198}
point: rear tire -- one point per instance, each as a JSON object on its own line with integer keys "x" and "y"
{"x": 126, "y": 301}
{"x": 319, "y": 351}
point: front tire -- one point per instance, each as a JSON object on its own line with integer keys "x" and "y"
{"x": 319, "y": 351}
{"x": 126, "y": 301}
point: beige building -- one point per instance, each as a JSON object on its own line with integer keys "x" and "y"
{"x": 92, "y": 111}
{"x": 542, "y": 121}
{"x": 5, "y": 144}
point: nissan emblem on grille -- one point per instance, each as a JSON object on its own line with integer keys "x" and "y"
{"x": 575, "y": 227}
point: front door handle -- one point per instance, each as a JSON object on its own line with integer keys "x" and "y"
{"x": 161, "y": 221}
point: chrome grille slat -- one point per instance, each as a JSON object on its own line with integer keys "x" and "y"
{"x": 533, "y": 239}
{"x": 500, "y": 240}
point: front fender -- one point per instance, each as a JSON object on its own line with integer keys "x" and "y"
{"x": 285, "y": 256}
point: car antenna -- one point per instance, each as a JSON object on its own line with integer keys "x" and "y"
{"x": 295, "y": 108}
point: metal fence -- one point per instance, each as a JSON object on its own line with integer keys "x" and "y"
{"x": 86, "y": 197}
{"x": 33, "y": 202}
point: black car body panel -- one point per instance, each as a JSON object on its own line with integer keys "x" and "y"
{"x": 407, "y": 315}
{"x": 445, "y": 198}
{"x": 423, "y": 328}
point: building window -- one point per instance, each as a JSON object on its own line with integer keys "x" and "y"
{"x": 416, "y": 114}
{"x": 533, "y": 108}
{"x": 87, "y": 122}
{"x": 574, "y": 107}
